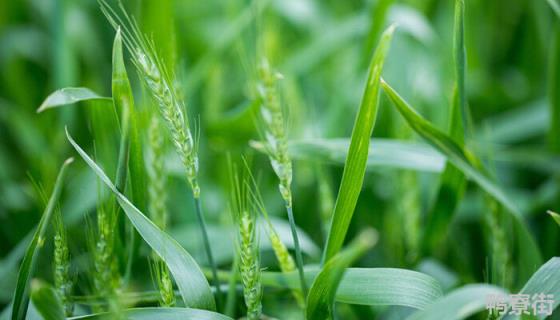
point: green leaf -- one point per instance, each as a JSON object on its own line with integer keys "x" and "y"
{"x": 545, "y": 281}
{"x": 529, "y": 254}
{"x": 382, "y": 152}
{"x": 460, "y": 303}
{"x": 28, "y": 265}
{"x": 130, "y": 152}
{"x": 553, "y": 85}
{"x": 452, "y": 186}
{"x": 66, "y": 96}
{"x": 46, "y": 300}
{"x": 123, "y": 102}
{"x": 555, "y": 7}
{"x": 192, "y": 284}
{"x": 161, "y": 313}
{"x": 355, "y": 167}
{"x": 371, "y": 286}
{"x": 321, "y": 297}
{"x": 554, "y": 216}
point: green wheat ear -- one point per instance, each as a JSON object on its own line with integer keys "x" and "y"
{"x": 243, "y": 212}
{"x": 159, "y": 83}
{"x": 276, "y": 146}
{"x": 62, "y": 280}
{"x": 285, "y": 259}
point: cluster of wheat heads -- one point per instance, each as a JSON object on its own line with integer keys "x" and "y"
{"x": 186, "y": 288}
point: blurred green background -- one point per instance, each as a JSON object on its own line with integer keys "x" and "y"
{"x": 322, "y": 48}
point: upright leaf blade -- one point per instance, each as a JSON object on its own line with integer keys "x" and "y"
{"x": 355, "y": 167}
{"x": 21, "y": 295}
{"x": 321, "y": 297}
{"x": 529, "y": 254}
{"x": 452, "y": 184}
{"x": 70, "y": 95}
{"x": 192, "y": 284}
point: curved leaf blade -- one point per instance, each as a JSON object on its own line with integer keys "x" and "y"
{"x": 529, "y": 253}
{"x": 321, "y": 297}
{"x": 355, "y": 167}
{"x": 545, "y": 281}
{"x": 460, "y": 303}
{"x": 21, "y": 295}
{"x": 69, "y": 95}
{"x": 161, "y": 313}
{"x": 372, "y": 286}
{"x": 194, "y": 287}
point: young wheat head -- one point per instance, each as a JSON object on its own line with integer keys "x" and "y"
{"x": 159, "y": 83}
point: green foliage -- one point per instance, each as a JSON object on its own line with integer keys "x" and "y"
{"x": 456, "y": 186}
{"x": 194, "y": 288}
{"x": 321, "y": 297}
{"x": 355, "y": 166}
{"x": 29, "y": 263}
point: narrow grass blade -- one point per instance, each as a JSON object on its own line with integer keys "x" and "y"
{"x": 529, "y": 254}
{"x": 66, "y": 96}
{"x": 372, "y": 286}
{"x": 123, "y": 102}
{"x": 555, "y": 216}
{"x": 545, "y": 281}
{"x": 45, "y": 299}
{"x": 321, "y": 297}
{"x": 553, "y": 87}
{"x": 382, "y": 152}
{"x": 355, "y": 167}
{"x": 192, "y": 284}
{"x": 161, "y": 313}
{"x": 452, "y": 184}
{"x": 130, "y": 152}
{"x": 28, "y": 265}
{"x": 460, "y": 303}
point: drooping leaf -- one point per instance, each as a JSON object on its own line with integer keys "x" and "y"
{"x": 545, "y": 281}
{"x": 460, "y": 303}
{"x": 321, "y": 297}
{"x": 28, "y": 265}
{"x": 355, "y": 166}
{"x": 192, "y": 284}
{"x": 67, "y": 96}
{"x": 529, "y": 256}
{"x": 371, "y": 286}
{"x": 161, "y": 313}
{"x": 46, "y": 300}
